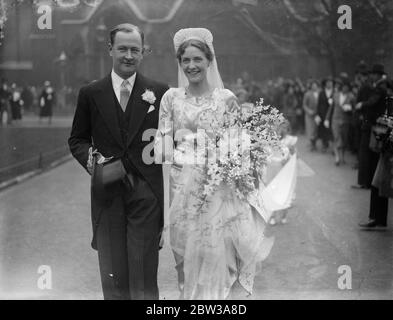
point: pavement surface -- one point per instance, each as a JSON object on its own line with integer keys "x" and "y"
{"x": 33, "y": 121}
{"x": 45, "y": 228}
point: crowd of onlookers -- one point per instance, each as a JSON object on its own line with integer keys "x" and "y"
{"x": 285, "y": 94}
{"x": 324, "y": 109}
{"x": 17, "y": 100}
{"x": 338, "y": 113}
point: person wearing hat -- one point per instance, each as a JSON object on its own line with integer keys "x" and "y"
{"x": 364, "y": 81}
{"x": 16, "y": 103}
{"x": 382, "y": 184}
{"x": 370, "y": 105}
{"x": 340, "y": 112}
{"x": 289, "y": 104}
{"x": 361, "y": 83}
{"x": 46, "y": 102}
{"x": 5, "y": 107}
{"x": 310, "y": 104}
{"x": 372, "y": 109}
{"x": 325, "y": 100}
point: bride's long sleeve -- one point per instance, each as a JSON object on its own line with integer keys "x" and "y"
{"x": 163, "y": 154}
{"x": 163, "y": 146}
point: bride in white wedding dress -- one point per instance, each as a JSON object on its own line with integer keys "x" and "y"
{"x": 218, "y": 239}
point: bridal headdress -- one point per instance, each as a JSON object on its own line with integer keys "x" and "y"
{"x": 200, "y": 34}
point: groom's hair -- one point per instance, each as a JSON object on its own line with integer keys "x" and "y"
{"x": 126, "y": 27}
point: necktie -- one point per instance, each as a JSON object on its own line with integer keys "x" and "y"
{"x": 124, "y": 95}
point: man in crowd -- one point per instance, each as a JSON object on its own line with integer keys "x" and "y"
{"x": 370, "y": 104}
{"x": 5, "y": 97}
{"x": 372, "y": 109}
{"x": 47, "y": 101}
{"x": 363, "y": 87}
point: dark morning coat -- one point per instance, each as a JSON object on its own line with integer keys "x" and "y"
{"x": 96, "y": 122}
{"x": 373, "y": 106}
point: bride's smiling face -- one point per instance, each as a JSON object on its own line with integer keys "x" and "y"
{"x": 194, "y": 64}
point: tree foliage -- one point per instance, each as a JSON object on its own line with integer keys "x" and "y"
{"x": 318, "y": 32}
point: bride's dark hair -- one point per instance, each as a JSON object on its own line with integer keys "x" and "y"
{"x": 197, "y": 44}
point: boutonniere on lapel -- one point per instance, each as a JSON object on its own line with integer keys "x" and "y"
{"x": 150, "y": 98}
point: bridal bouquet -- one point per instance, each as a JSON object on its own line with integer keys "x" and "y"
{"x": 244, "y": 143}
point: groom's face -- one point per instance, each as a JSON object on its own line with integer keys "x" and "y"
{"x": 126, "y": 53}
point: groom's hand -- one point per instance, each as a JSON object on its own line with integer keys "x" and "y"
{"x": 90, "y": 160}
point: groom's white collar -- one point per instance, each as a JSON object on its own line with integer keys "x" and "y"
{"x": 117, "y": 80}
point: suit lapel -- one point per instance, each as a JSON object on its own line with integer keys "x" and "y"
{"x": 104, "y": 99}
{"x": 138, "y": 107}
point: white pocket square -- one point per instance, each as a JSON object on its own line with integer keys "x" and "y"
{"x": 151, "y": 109}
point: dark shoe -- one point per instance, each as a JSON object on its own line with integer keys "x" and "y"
{"x": 337, "y": 163}
{"x": 369, "y": 224}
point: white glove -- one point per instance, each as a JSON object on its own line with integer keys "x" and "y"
{"x": 90, "y": 161}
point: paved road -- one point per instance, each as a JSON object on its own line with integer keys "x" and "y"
{"x": 46, "y": 221}
{"x": 32, "y": 121}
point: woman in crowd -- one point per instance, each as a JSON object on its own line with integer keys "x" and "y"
{"x": 289, "y": 105}
{"x": 310, "y": 105}
{"x": 325, "y": 100}
{"x": 341, "y": 114}
{"x": 16, "y": 103}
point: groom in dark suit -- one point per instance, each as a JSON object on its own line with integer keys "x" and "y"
{"x": 111, "y": 117}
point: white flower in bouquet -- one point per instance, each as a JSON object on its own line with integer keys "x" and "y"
{"x": 245, "y": 142}
{"x": 247, "y": 107}
{"x": 232, "y": 142}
